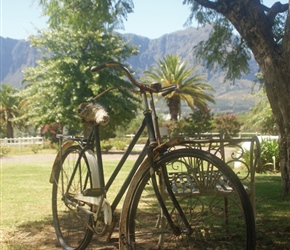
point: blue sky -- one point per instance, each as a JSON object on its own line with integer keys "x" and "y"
{"x": 151, "y": 18}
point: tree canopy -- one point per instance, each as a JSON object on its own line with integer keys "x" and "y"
{"x": 228, "y": 45}
{"x": 80, "y": 35}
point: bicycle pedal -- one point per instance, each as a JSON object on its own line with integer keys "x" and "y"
{"x": 95, "y": 192}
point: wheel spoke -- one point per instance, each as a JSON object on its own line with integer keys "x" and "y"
{"x": 72, "y": 219}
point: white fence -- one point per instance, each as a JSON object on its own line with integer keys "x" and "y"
{"x": 21, "y": 141}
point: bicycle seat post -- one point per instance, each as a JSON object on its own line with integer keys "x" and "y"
{"x": 99, "y": 155}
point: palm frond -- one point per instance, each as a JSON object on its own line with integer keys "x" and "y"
{"x": 191, "y": 88}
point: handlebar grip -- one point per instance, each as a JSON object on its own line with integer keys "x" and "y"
{"x": 168, "y": 90}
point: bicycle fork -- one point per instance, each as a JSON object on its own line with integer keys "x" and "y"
{"x": 176, "y": 229}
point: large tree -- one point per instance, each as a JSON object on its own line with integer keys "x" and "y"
{"x": 263, "y": 31}
{"x": 191, "y": 86}
{"x": 80, "y": 34}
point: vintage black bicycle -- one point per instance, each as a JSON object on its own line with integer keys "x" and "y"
{"x": 175, "y": 196}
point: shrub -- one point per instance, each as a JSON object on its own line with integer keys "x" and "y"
{"x": 228, "y": 125}
{"x": 197, "y": 122}
{"x": 106, "y": 145}
{"x": 4, "y": 150}
{"x": 269, "y": 149}
{"x": 36, "y": 148}
{"x": 120, "y": 145}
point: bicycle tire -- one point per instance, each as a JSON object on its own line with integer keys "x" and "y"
{"x": 71, "y": 224}
{"x": 143, "y": 225}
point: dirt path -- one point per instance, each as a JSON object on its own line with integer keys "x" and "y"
{"x": 51, "y": 157}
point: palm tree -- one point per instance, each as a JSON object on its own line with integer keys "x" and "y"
{"x": 190, "y": 88}
{"x": 8, "y": 109}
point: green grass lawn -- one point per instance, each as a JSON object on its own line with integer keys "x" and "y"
{"x": 26, "y": 206}
{"x": 273, "y": 213}
{"x": 25, "y": 193}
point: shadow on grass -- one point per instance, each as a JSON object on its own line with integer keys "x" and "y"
{"x": 40, "y": 235}
{"x": 273, "y": 224}
{"x": 273, "y": 213}
{"x": 32, "y": 235}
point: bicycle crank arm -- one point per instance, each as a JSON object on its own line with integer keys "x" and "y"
{"x": 97, "y": 202}
{"x": 78, "y": 207}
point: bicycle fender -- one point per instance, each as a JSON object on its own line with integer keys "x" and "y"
{"x": 93, "y": 164}
{"x": 123, "y": 245}
{"x": 56, "y": 164}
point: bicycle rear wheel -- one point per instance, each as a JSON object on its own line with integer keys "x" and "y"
{"x": 211, "y": 197}
{"x": 71, "y": 222}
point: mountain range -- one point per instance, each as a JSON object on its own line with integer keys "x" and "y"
{"x": 15, "y": 55}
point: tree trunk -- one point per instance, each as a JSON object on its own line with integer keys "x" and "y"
{"x": 256, "y": 29}
{"x": 10, "y": 133}
{"x": 173, "y": 104}
{"x": 276, "y": 77}
{"x": 284, "y": 144}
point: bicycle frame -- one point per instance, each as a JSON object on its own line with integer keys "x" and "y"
{"x": 151, "y": 122}
{"x": 120, "y": 165}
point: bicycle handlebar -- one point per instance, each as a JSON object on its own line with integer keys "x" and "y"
{"x": 143, "y": 87}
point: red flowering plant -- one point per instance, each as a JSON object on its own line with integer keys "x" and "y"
{"x": 49, "y": 131}
{"x": 228, "y": 125}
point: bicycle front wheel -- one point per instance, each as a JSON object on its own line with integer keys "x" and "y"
{"x": 215, "y": 210}
{"x": 71, "y": 222}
